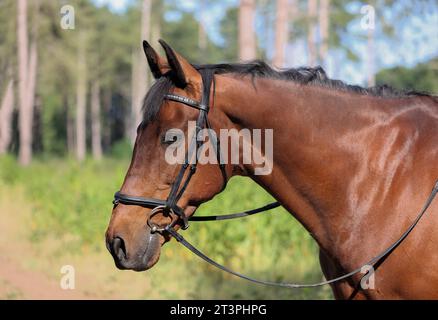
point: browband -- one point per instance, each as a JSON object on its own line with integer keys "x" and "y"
{"x": 187, "y": 101}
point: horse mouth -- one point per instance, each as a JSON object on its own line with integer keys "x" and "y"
{"x": 145, "y": 258}
{"x": 152, "y": 252}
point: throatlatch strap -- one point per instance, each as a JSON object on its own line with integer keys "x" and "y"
{"x": 247, "y": 213}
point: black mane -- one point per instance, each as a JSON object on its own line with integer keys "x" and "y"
{"x": 305, "y": 75}
{"x": 260, "y": 69}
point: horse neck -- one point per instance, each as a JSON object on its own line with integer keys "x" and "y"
{"x": 313, "y": 130}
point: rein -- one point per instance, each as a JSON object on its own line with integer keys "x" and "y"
{"x": 169, "y": 206}
{"x": 371, "y": 262}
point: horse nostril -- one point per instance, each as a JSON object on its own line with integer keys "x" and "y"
{"x": 118, "y": 248}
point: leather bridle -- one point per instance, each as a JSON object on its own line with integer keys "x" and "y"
{"x": 170, "y": 208}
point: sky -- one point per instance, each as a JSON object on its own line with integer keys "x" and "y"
{"x": 115, "y": 5}
{"x": 416, "y": 41}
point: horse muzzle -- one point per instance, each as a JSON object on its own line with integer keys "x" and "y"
{"x": 139, "y": 256}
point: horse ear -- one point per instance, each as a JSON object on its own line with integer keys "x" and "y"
{"x": 156, "y": 63}
{"x": 183, "y": 72}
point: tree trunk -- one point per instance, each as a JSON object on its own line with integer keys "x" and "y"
{"x": 70, "y": 124}
{"x": 6, "y": 110}
{"x": 311, "y": 35}
{"x": 25, "y": 119}
{"x": 129, "y": 118}
{"x": 202, "y": 35}
{"x": 371, "y": 80}
{"x": 81, "y": 102}
{"x": 292, "y": 14}
{"x": 96, "y": 136}
{"x": 31, "y": 90}
{"x": 155, "y": 31}
{"x": 141, "y": 75}
{"x": 324, "y": 25}
{"x": 108, "y": 124}
{"x": 281, "y": 32}
{"x": 22, "y": 43}
{"x": 247, "y": 38}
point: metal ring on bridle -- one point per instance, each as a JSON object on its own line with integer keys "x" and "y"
{"x": 156, "y": 228}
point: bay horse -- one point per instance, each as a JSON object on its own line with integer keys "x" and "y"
{"x": 353, "y": 165}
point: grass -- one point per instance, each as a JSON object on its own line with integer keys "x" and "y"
{"x": 74, "y": 200}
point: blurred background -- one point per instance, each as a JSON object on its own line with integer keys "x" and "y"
{"x": 72, "y": 78}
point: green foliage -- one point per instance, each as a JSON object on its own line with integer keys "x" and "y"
{"x": 53, "y": 123}
{"x": 177, "y": 32}
{"x": 7, "y": 42}
{"x": 72, "y": 199}
{"x": 120, "y": 149}
{"x": 229, "y": 30}
{"x": 423, "y": 77}
{"x": 68, "y": 197}
{"x": 10, "y": 171}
